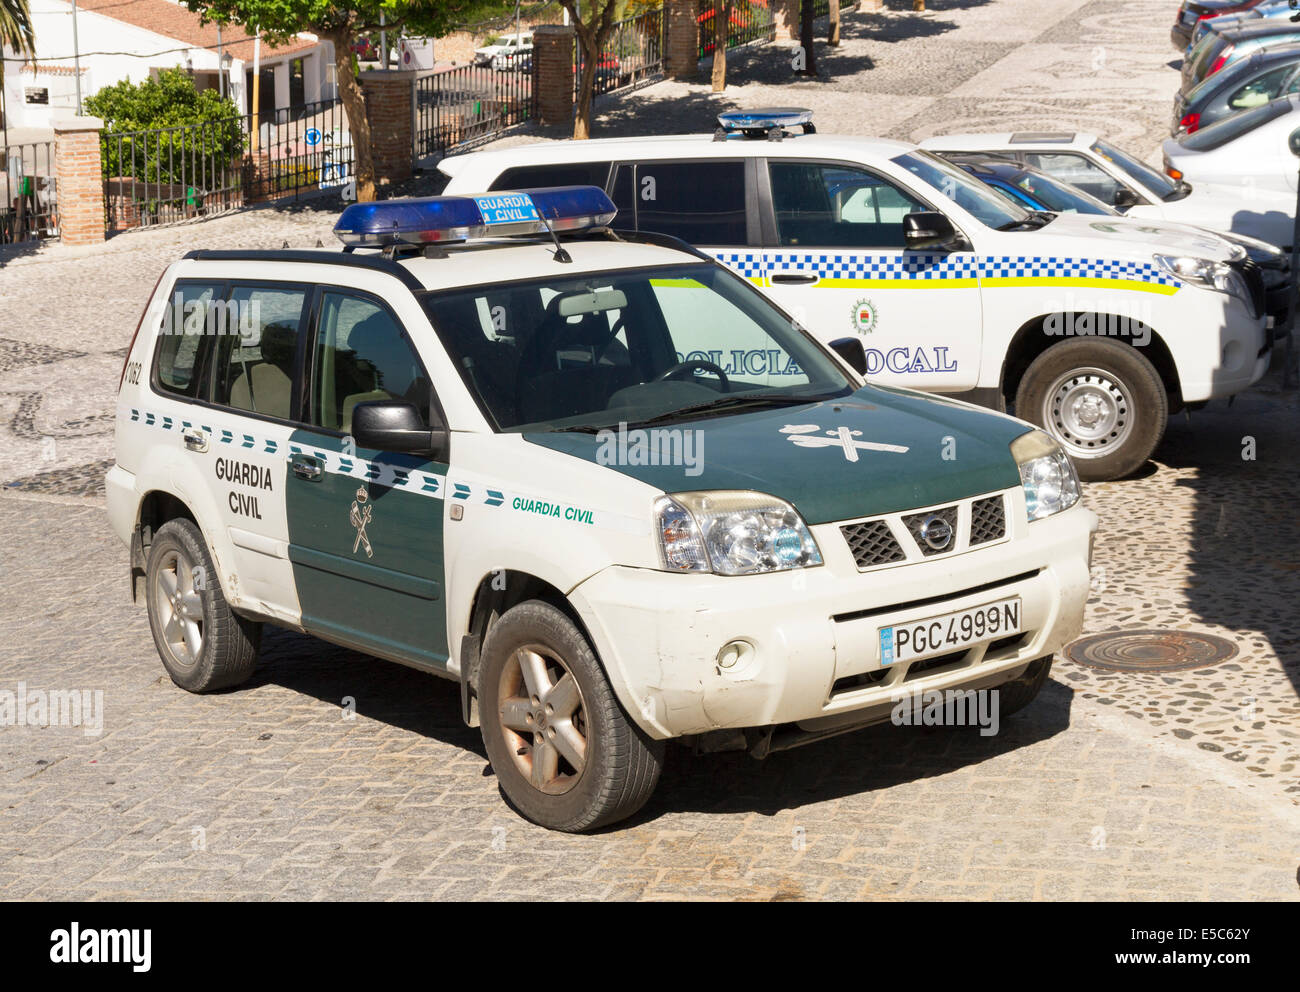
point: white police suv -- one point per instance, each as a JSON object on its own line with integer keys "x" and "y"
{"x": 490, "y": 440}
{"x": 1095, "y": 331}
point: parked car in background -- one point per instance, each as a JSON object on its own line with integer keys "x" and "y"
{"x": 1037, "y": 190}
{"x": 1247, "y": 83}
{"x": 1240, "y": 18}
{"x": 1196, "y": 12}
{"x": 502, "y": 53}
{"x": 365, "y": 49}
{"x": 950, "y": 286}
{"x": 1249, "y": 151}
{"x": 1121, "y": 180}
{"x": 1221, "y": 48}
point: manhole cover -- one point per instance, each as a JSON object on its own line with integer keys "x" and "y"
{"x": 1150, "y": 650}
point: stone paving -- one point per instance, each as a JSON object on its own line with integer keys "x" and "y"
{"x": 1163, "y": 786}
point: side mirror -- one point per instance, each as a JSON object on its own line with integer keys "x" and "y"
{"x": 928, "y": 229}
{"x": 395, "y": 425}
{"x": 850, "y": 349}
{"x": 1125, "y": 198}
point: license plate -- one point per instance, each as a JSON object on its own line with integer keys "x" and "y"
{"x": 949, "y": 632}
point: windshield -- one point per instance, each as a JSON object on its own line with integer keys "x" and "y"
{"x": 986, "y": 204}
{"x": 1234, "y": 126}
{"x": 1059, "y": 196}
{"x": 592, "y": 351}
{"x": 1159, "y": 184}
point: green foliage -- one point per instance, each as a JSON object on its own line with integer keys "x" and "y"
{"x": 280, "y": 20}
{"x": 168, "y": 101}
{"x": 16, "y": 30}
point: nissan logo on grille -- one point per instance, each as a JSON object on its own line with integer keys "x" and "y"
{"x": 936, "y": 532}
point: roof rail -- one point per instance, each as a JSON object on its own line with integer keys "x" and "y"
{"x": 376, "y": 263}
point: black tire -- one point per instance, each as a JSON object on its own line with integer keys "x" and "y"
{"x": 228, "y": 647}
{"x": 1015, "y": 695}
{"x": 621, "y": 763}
{"x": 1133, "y": 385}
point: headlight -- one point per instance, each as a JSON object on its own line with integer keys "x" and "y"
{"x": 1046, "y": 473}
{"x": 732, "y": 533}
{"x": 1206, "y": 273}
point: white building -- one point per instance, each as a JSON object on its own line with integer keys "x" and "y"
{"x": 133, "y": 39}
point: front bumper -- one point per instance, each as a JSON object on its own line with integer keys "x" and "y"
{"x": 814, "y": 633}
{"x": 1230, "y": 355}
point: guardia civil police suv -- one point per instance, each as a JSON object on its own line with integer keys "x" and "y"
{"x": 495, "y": 441}
{"x": 1095, "y": 331}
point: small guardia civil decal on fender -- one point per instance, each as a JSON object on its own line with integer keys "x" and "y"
{"x": 864, "y": 316}
{"x": 360, "y": 515}
{"x": 842, "y": 437}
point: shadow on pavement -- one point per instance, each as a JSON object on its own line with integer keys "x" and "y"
{"x": 1244, "y": 549}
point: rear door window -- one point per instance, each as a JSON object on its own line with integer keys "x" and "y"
{"x": 254, "y": 369}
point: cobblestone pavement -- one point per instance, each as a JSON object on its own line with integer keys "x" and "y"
{"x": 1164, "y": 786}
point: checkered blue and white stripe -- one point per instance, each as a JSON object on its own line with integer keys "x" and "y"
{"x": 832, "y": 265}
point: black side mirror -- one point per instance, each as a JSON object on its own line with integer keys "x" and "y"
{"x": 850, "y": 349}
{"x": 1293, "y": 141}
{"x": 395, "y": 425}
{"x": 1125, "y": 198}
{"x": 928, "y": 229}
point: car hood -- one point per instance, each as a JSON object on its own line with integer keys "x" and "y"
{"x": 1142, "y": 237}
{"x": 811, "y": 454}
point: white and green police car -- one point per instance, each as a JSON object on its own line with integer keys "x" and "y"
{"x": 1094, "y": 331}
{"x": 482, "y": 441}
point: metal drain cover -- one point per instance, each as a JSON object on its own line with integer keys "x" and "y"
{"x": 1150, "y": 650}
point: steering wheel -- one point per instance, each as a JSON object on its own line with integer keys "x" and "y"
{"x": 691, "y": 366}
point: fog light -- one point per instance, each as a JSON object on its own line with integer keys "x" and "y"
{"x": 735, "y": 655}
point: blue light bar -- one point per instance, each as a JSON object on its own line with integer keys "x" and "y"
{"x": 443, "y": 219}
{"x": 767, "y": 119}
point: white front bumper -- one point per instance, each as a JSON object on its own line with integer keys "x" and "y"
{"x": 813, "y": 630}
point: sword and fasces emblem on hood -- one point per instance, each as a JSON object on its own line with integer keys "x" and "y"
{"x": 805, "y": 436}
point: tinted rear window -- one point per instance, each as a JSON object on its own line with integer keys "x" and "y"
{"x": 563, "y": 174}
{"x": 1221, "y": 132}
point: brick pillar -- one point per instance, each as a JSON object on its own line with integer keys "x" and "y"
{"x": 390, "y": 106}
{"x": 785, "y": 18}
{"x": 682, "y": 57}
{"x": 79, "y": 180}
{"x": 553, "y": 73}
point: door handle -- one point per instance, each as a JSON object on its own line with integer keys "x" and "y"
{"x": 195, "y": 440}
{"x": 306, "y": 467}
{"x": 794, "y": 277}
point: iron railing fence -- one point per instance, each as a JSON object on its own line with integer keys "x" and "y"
{"x": 173, "y": 174}
{"x": 749, "y": 22}
{"x": 470, "y": 103}
{"x": 29, "y": 209}
{"x": 634, "y": 52}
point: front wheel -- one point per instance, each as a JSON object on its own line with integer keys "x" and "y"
{"x": 565, "y": 754}
{"x": 1102, "y": 400}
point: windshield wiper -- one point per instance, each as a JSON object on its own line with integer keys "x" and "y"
{"x": 1035, "y": 220}
{"x": 729, "y": 403}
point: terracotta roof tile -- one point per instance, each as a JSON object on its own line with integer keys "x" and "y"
{"x": 174, "y": 21}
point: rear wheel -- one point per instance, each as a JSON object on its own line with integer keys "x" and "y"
{"x": 566, "y": 755}
{"x": 202, "y": 643}
{"x": 1102, "y": 400}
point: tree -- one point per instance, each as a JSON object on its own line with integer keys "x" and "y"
{"x": 167, "y": 101}
{"x": 833, "y": 31}
{"x": 807, "y": 14}
{"x": 593, "y": 34}
{"x": 16, "y": 32}
{"x": 280, "y": 20}
{"x": 721, "y": 29}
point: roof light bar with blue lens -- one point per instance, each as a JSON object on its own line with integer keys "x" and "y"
{"x": 768, "y": 122}
{"x": 433, "y": 220}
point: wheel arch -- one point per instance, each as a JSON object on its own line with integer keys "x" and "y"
{"x": 1032, "y": 338}
{"x": 497, "y": 591}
